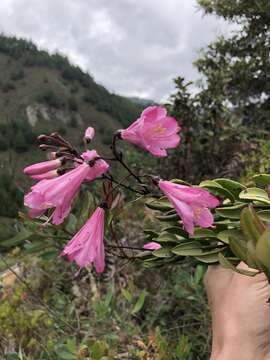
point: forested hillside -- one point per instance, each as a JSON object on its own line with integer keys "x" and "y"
{"x": 40, "y": 93}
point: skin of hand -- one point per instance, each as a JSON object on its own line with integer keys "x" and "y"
{"x": 240, "y": 314}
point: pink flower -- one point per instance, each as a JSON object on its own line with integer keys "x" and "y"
{"x": 191, "y": 204}
{"x": 154, "y": 131}
{"x": 99, "y": 168}
{"x": 59, "y": 193}
{"x": 87, "y": 245}
{"x": 43, "y": 167}
{"x": 152, "y": 246}
{"x": 89, "y": 134}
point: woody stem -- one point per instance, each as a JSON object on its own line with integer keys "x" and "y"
{"x": 119, "y": 158}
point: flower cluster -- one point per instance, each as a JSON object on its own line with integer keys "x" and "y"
{"x": 60, "y": 178}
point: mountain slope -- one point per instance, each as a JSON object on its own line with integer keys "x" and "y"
{"x": 40, "y": 93}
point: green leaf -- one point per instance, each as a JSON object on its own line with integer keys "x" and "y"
{"x": 251, "y": 225}
{"x": 225, "y": 235}
{"x": 35, "y": 247}
{"x": 208, "y": 258}
{"x": 66, "y": 355}
{"x": 264, "y": 215}
{"x": 230, "y": 212}
{"x": 255, "y": 194}
{"x": 200, "y": 233}
{"x": 180, "y": 182}
{"x": 98, "y": 350}
{"x": 199, "y": 273}
{"x": 261, "y": 179}
{"x": 168, "y": 218}
{"x": 150, "y": 234}
{"x": 71, "y": 224}
{"x": 139, "y": 303}
{"x": 162, "y": 253}
{"x": 18, "y": 239}
{"x": 263, "y": 249}
{"x": 188, "y": 249}
{"x": 227, "y": 264}
{"x": 177, "y": 230}
{"x": 162, "y": 204}
{"x": 239, "y": 247}
{"x": 217, "y": 189}
{"x": 49, "y": 254}
{"x": 168, "y": 237}
{"x": 127, "y": 294}
{"x": 233, "y": 186}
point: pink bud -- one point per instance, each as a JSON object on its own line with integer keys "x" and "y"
{"x": 152, "y": 246}
{"x": 52, "y": 155}
{"x": 47, "y": 175}
{"x": 89, "y": 134}
{"x": 42, "y": 167}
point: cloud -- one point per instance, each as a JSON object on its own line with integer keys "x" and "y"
{"x": 133, "y": 47}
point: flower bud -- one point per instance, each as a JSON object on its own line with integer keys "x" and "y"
{"x": 89, "y": 134}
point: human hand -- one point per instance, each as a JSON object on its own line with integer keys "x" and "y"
{"x": 240, "y": 314}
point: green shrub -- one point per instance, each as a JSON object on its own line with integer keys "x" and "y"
{"x": 8, "y": 86}
{"x": 50, "y": 98}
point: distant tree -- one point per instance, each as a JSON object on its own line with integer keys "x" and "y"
{"x": 232, "y": 108}
{"x": 238, "y": 68}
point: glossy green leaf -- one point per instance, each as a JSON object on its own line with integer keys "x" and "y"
{"x": 161, "y": 204}
{"x": 200, "y": 233}
{"x": 188, "y": 249}
{"x": 168, "y": 237}
{"x": 227, "y": 264}
{"x": 255, "y": 194}
{"x": 162, "y": 253}
{"x": 231, "y": 212}
{"x": 225, "y": 235}
{"x": 180, "y": 182}
{"x": 177, "y": 230}
{"x": 251, "y": 225}
{"x": 208, "y": 258}
{"x": 262, "y": 179}
{"x": 263, "y": 249}
{"x": 168, "y": 218}
{"x": 217, "y": 189}
{"x": 238, "y": 247}
{"x": 233, "y": 186}
{"x": 264, "y": 215}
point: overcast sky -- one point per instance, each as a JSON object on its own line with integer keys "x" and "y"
{"x": 133, "y": 47}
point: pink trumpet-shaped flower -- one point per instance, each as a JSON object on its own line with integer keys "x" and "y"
{"x": 191, "y": 204}
{"x": 89, "y": 134}
{"x": 152, "y": 246}
{"x": 154, "y": 131}
{"x": 87, "y": 245}
{"x": 43, "y": 167}
{"x": 60, "y": 192}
